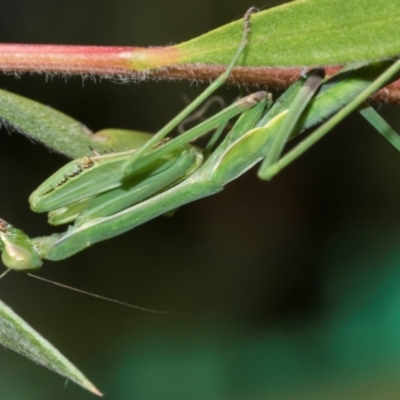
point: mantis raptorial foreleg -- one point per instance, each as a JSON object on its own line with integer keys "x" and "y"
{"x": 89, "y": 176}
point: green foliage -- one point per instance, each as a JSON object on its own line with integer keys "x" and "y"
{"x": 306, "y": 33}
{"x": 61, "y": 132}
{"x": 17, "y": 335}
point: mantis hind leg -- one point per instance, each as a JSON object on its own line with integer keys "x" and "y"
{"x": 381, "y": 126}
{"x": 375, "y": 85}
{"x": 300, "y": 102}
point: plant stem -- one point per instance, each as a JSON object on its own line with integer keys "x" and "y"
{"x": 139, "y": 63}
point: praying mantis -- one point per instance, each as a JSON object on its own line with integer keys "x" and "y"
{"x": 103, "y": 196}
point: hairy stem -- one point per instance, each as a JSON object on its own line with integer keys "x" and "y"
{"x": 138, "y": 63}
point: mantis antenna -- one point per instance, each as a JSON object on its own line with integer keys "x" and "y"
{"x": 97, "y": 296}
{"x": 5, "y": 273}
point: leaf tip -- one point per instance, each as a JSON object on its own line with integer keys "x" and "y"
{"x": 94, "y": 390}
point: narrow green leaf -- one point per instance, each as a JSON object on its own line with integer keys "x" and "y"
{"x": 17, "y": 335}
{"x": 61, "y": 132}
{"x": 46, "y": 125}
{"x": 306, "y": 33}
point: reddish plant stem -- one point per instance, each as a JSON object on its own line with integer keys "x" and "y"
{"x": 97, "y": 60}
{"x": 134, "y": 63}
{"x": 272, "y": 78}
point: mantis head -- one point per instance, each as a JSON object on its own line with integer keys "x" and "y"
{"x": 17, "y": 250}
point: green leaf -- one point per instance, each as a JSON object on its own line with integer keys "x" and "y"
{"x": 306, "y": 33}
{"x": 45, "y": 125}
{"x": 61, "y": 132}
{"x": 17, "y": 335}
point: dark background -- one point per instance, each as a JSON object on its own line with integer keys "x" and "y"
{"x": 281, "y": 290}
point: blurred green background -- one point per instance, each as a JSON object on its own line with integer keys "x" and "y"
{"x": 281, "y": 290}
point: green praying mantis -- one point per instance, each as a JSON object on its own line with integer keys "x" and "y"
{"x": 102, "y": 196}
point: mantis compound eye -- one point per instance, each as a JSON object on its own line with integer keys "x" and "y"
{"x": 18, "y": 253}
{"x": 19, "y": 258}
